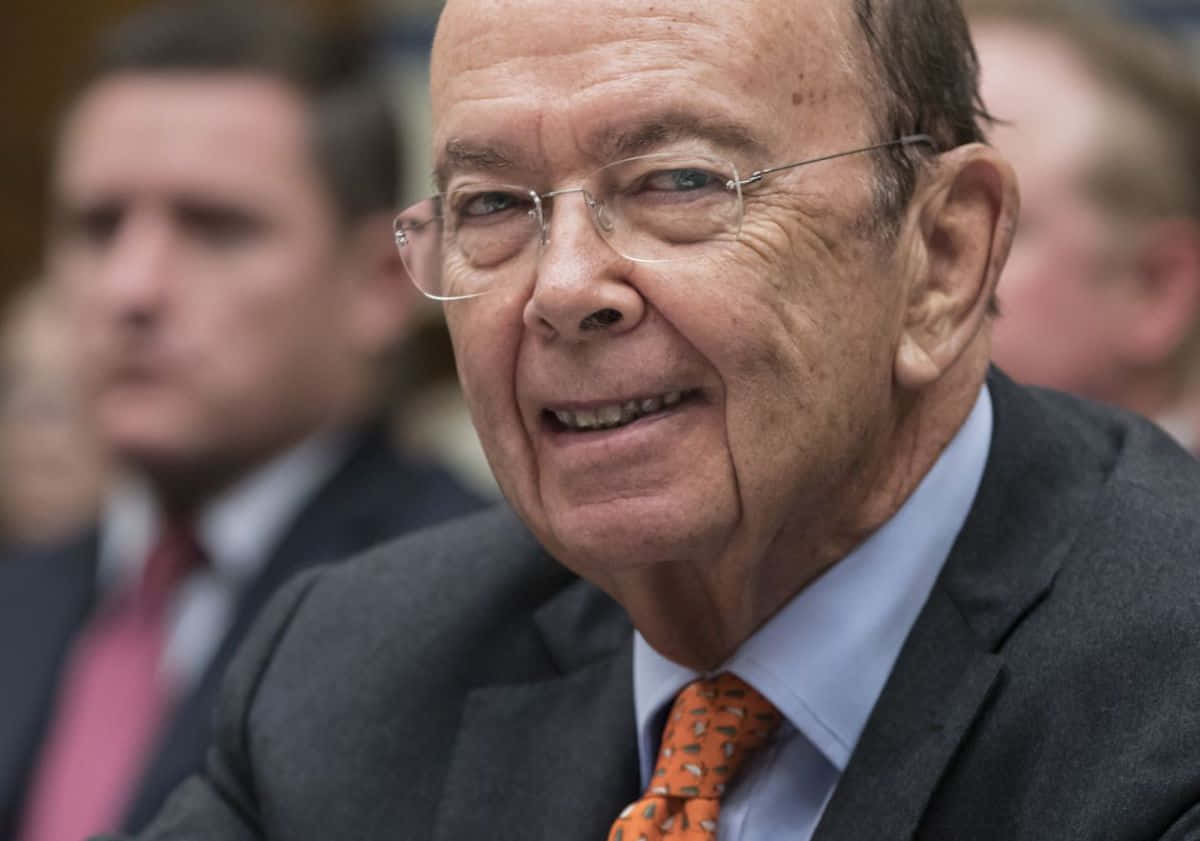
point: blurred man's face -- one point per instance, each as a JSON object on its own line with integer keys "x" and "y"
{"x": 201, "y": 257}
{"x": 778, "y": 345}
{"x": 1061, "y": 293}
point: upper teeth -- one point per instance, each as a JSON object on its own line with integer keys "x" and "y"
{"x": 617, "y": 414}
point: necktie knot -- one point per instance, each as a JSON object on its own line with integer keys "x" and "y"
{"x": 715, "y": 725}
{"x": 175, "y": 554}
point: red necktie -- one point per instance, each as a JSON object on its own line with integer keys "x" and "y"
{"x": 111, "y": 703}
{"x": 715, "y": 725}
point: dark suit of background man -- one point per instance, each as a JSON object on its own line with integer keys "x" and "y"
{"x": 743, "y": 413}
{"x": 223, "y": 190}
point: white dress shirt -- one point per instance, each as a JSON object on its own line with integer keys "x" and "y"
{"x": 238, "y": 532}
{"x": 823, "y": 659}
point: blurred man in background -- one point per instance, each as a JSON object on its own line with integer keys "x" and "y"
{"x": 1101, "y": 296}
{"x": 222, "y": 192}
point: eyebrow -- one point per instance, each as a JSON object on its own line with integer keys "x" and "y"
{"x": 473, "y": 156}
{"x": 646, "y": 135}
{"x": 610, "y": 143}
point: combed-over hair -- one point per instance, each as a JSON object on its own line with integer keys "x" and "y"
{"x": 924, "y": 73}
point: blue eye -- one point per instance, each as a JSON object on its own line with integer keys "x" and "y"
{"x": 490, "y": 203}
{"x": 680, "y": 180}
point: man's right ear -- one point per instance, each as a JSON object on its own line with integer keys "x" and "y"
{"x": 961, "y": 226}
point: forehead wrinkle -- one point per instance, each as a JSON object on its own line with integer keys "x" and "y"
{"x": 467, "y": 33}
{"x": 575, "y": 62}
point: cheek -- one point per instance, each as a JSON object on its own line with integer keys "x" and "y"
{"x": 765, "y": 346}
{"x": 483, "y": 355}
{"x": 274, "y": 300}
{"x": 803, "y": 309}
{"x": 805, "y": 353}
{"x": 1055, "y": 302}
{"x": 486, "y": 335}
{"x": 84, "y": 301}
{"x": 1041, "y": 276}
{"x": 265, "y": 343}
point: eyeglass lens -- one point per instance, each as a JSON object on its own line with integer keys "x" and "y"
{"x": 651, "y": 208}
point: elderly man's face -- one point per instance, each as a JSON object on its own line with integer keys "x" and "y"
{"x": 778, "y": 345}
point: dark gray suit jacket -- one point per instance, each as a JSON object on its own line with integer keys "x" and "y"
{"x": 46, "y": 596}
{"x": 460, "y": 685}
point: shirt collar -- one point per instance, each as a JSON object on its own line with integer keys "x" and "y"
{"x": 238, "y": 530}
{"x": 823, "y": 659}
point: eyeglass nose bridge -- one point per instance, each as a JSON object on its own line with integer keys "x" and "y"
{"x": 600, "y": 215}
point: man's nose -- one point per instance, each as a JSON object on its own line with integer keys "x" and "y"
{"x": 135, "y": 274}
{"x": 582, "y": 289}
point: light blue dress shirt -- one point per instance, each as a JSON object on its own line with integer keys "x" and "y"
{"x": 823, "y": 659}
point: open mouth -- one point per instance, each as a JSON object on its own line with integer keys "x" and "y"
{"x": 617, "y": 414}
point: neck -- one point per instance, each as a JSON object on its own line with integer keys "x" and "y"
{"x": 183, "y": 493}
{"x": 184, "y": 488}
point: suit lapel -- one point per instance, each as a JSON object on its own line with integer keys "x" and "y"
{"x": 939, "y": 685}
{"x": 355, "y": 508}
{"x": 1033, "y": 499}
{"x": 552, "y": 759}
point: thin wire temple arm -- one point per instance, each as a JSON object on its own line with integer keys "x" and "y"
{"x": 758, "y": 175}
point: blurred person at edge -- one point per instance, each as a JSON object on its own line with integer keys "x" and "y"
{"x": 52, "y": 466}
{"x": 1101, "y": 120}
{"x": 719, "y": 280}
{"x": 222, "y": 192}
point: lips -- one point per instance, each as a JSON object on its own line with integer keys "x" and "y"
{"x": 615, "y": 415}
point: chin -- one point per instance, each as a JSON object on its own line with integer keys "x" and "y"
{"x": 599, "y": 539}
{"x": 152, "y": 442}
{"x": 154, "y": 456}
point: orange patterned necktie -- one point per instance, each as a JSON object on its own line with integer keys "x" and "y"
{"x": 715, "y": 725}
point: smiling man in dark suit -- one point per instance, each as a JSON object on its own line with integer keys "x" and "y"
{"x": 223, "y": 191}
{"x": 720, "y": 281}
